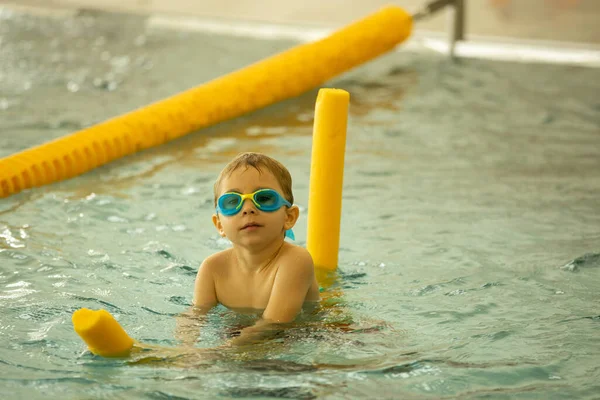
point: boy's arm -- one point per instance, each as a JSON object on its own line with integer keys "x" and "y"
{"x": 187, "y": 326}
{"x": 292, "y": 283}
{"x": 290, "y": 288}
{"x": 205, "y": 295}
{"x": 188, "y": 323}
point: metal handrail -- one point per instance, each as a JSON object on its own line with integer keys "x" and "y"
{"x": 457, "y": 16}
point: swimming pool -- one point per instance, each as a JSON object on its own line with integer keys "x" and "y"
{"x": 470, "y": 236}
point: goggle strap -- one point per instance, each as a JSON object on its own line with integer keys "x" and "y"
{"x": 290, "y": 234}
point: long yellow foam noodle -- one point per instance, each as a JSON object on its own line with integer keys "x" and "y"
{"x": 276, "y": 78}
{"x": 102, "y": 333}
{"x": 326, "y": 177}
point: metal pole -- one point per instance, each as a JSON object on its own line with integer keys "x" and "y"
{"x": 456, "y": 19}
{"x": 431, "y": 8}
{"x": 456, "y": 15}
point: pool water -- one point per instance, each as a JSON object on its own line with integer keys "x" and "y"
{"x": 470, "y": 240}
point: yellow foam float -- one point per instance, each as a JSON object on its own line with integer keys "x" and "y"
{"x": 102, "y": 333}
{"x": 326, "y": 177}
{"x": 273, "y": 79}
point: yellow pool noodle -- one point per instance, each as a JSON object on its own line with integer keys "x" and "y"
{"x": 326, "y": 177}
{"x": 102, "y": 333}
{"x": 273, "y": 79}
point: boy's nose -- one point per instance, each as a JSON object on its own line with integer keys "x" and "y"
{"x": 248, "y": 207}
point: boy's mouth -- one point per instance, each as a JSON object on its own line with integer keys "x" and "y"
{"x": 250, "y": 225}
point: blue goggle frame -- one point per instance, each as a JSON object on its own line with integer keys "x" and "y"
{"x": 267, "y": 200}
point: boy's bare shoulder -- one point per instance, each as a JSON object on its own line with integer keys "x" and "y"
{"x": 216, "y": 261}
{"x": 297, "y": 256}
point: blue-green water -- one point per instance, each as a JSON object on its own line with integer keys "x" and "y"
{"x": 469, "y": 190}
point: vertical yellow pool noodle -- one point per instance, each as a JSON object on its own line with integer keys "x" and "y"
{"x": 273, "y": 79}
{"x": 326, "y": 177}
{"x": 102, "y": 333}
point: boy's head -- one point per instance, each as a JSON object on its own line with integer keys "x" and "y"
{"x": 261, "y": 163}
{"x": 250, "y": 223}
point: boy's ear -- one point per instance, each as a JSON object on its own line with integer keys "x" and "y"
{"x": 218, "y": 225}
{"x": 291, "y": 217}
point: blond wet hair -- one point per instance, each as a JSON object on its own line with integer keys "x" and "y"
{"x": 260, "y": 162}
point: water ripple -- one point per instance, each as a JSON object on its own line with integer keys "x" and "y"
{"x": 588, "y": 260}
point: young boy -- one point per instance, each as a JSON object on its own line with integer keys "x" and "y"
{"x": 254, "y": 210}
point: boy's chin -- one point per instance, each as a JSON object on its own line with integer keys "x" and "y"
{"x": 254, "y": 240}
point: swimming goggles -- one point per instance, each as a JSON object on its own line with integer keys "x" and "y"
{"x": 267, "y": 200}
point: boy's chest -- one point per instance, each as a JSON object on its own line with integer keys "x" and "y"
{"x": 245, "y": 291}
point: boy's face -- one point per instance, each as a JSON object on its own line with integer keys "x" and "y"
{"x": 251, "y": 226}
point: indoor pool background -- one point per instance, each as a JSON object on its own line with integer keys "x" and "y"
{"x": 470, "y": 242}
